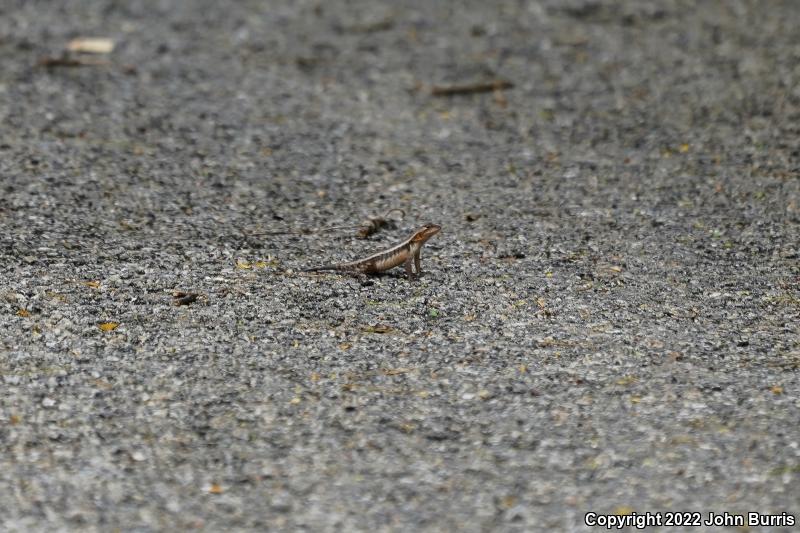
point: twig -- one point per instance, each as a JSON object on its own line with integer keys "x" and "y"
{"x": 484, "y": 87}
{"x": 65, "y": 60}
{"x": 369, "y": 27}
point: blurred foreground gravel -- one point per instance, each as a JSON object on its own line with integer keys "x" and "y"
{"x": 609, "y": 321}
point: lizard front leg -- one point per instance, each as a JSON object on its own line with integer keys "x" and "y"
{"x": 417, "y": 261}
{"x": 409, "y": 271}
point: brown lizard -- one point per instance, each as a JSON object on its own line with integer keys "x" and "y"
{"x": 401, "y": 254}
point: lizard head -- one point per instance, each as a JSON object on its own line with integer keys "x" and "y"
{"x": 425, "y": 232}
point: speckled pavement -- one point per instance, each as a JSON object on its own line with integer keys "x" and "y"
{"x": 608, "y": 322}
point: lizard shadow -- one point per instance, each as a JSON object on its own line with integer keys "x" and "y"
{"x": 368, "y": 280}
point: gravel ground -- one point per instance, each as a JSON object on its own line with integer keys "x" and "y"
{"x": 608, "y": 321}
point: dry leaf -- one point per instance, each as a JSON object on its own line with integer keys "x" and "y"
{"x": 91, "y": 45}
{"x": 623, "y": 510}
{"x": 295, "y": 400}
{"x": 243, "y": 264}
{"x": 215, "y": 488}
{"x": 377, "y": 328}
{"x": 507, "y": 502}
{"x": 56, "y": 296}
{"x": 776, "y": 389}
{"x": 675, "y": 356}
{"x": 23, "y": 313}
{"x": 184, "y": 298}
{"x": 626, "y": 380}
{"x": 92, "y": 284}
{"x": 109, "y": 326}
{"x": 102, "y": 384}
{"x": 395, "y": 371}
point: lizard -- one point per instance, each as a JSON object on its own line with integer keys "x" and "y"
{"x": 403, "y": 253}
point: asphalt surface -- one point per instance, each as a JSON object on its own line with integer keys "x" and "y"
{"x": 608, "y": 321}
